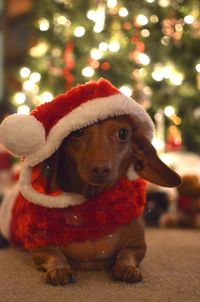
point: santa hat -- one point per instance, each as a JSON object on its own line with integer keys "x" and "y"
{"x": 38, "y": 135}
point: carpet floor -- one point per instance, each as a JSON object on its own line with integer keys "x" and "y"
{"x": 171, "y": 272}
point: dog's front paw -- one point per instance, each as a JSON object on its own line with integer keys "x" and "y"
{"x": 60, "y": 276}
{"x": 127, "y": 273}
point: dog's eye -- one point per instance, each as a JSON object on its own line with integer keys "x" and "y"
{"x": 122, "y": 134}
{"x": 78, "y": 133}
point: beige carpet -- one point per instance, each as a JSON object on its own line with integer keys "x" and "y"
{"x": 171, "y": 273}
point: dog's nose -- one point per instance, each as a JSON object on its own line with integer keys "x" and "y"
{"x": 100, "y": 170}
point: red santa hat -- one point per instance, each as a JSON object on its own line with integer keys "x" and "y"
{"x": 38, "y": 135}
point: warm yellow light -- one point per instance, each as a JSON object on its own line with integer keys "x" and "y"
{"x": 35, "y": 89}
{"x": 164, "y": 3}
{"x": 35, "y": 77}
{"x": 158, "y": 116}
{"x": 142, "y": 20}
{"x": 87, "y": 71}
{"x": 24, "y": 109}
{"x": 19, "y": 98}
{"x": 154, "y": 19}
{"x": 95, "y": 54}
{"x": 114, "y": 46}
{"x": 169, "y": 111}
{"x": 165, "y": 40}
{"x": 179, "y": 28}
{"x": 43, "y": 24}
{"x": 150, "y": 1}
{"x": 79, "y": 31}
{"x": 157, "y": 75}
{"x": 98, "y": 27}
{"x": 24, "y": 72}
{"x": 167, "y": 72}
{"x": 111, "y": 3}
{"x": 158, "y": 144}
{"x": 176, "y": 79}
{"x": 39, "y": 50}
{"x": 147, "y": 90}
{"x": 123, "y": 12}
{"x": 100, "y": 18}
{"x": 126, "y": 90}
{"x": 56, "y": 52}
{"x": 62, "y": 20}
{"x": 177, "y": 120}
{"x": 145, "y": 33}
{"x": 189, "y": 19}
{"x": 91, "y": 15}
{"x": 143, "y": 59}
{"x": 28, "y": 85}
{"x": 197, "y": 67}
{"x": 103, "y": 46}
{"x": 46, "y": 97}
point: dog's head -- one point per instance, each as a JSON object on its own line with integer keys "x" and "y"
{"x": 93, "y": 157}
{"x": 99, "y": 155}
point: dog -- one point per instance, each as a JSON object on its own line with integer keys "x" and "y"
{"x": 90, "y": 162}
{"x": 96, "y": 158}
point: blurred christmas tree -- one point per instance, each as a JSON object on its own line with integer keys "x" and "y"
{"x": 149, "y": 49}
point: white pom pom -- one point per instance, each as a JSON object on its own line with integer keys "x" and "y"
{"x": 22, "y": 134}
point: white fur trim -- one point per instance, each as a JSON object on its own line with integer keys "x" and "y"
{"x": 86, "y": 114}
{"x": 6, "y": 211}
{"x": 63, "y": 200}
{"x": 22, "y": 134}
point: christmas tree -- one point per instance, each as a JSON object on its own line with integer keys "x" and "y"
{"x": 149, "y": 49}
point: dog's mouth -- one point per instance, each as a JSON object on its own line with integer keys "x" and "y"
{"x": 93, "y": 189}
{"x": 102, "y": 183}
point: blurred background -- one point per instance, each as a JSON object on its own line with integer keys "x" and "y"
{"x": 149, "y": 49}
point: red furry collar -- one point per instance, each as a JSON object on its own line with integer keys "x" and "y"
{"x": 34, "y": 226}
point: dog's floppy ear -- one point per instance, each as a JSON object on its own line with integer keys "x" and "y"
{"x": 49, "y": 171}
{"x": 149, "y": 166}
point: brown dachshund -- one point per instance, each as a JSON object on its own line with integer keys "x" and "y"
{"x": 96, "y": 157}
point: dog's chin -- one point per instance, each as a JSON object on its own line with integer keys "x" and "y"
{"x": 102, "y": 184}
{"x": 94, "y": 187}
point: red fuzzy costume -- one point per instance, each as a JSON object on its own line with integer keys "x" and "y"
{"x": 34, "y": 226}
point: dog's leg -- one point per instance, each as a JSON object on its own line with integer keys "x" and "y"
{"x": 54, "y": 264}
{"x": 126, "y": 264}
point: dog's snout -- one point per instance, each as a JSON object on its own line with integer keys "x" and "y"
{"x": 100, "y": 170}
